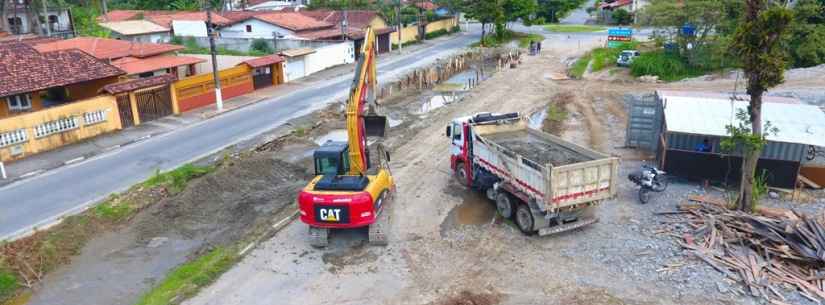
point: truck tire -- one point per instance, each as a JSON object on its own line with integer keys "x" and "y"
{"x": 504, "y": 205}
{"x": 461, "y": 173}
{"x": 524, "y": 219}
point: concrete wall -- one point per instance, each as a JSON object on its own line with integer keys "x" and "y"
{"x": 244, "y": 44}
{"x": 164, "y": 37}
{"x": 260, "y": 29}
{"x": 443, "y": 24}
{"x": 330, "y": 56}
{"x": 199, "y": 90}
{"x": 224, "y": 62}
{"x": 28, "y": 122}
{"x": 408, "y": 34}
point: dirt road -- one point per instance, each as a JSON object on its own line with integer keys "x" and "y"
{"x": 446, "y": 246}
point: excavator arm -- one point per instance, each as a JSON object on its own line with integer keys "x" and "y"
{"x": 360, "y": 121}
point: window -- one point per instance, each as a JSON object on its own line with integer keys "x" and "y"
{"x": 15, "y": 25}
{"x": 13, "y": 137}
{"x": 326, "y": 166}
{"x": 53, "y": 22}
{"x": 248, "y": 28}
{"x": 94, "y": 117}
{"x": 20, "y": 102}
{"x": 55, "y": 126}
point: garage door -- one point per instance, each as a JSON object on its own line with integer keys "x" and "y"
{"x": 295, "y": 68}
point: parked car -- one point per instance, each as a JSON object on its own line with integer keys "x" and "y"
{"x": 626, "y": 58}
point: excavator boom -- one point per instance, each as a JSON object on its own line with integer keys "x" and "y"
{"x": 363, "y": 92}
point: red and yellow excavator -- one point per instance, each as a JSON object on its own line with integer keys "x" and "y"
{"x": 352, "y": 186}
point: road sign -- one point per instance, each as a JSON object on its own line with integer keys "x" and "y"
{"x": 620, "y": 32}
{"x": 617, "y": 37}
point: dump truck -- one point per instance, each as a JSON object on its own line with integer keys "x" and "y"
{"x": 545, "y": 184}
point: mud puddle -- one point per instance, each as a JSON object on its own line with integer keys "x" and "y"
{"x": 475, "y": 210}
{"x": 536, "y": 119}
{"x": 332, "y": 135}
{"x": 438, "y": 101}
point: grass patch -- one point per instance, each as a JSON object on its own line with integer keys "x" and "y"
{"x": 187, "y": 279}
{"x": 557, "y": 113}
{"x": 524, "y": 42}
{"x": 574, "y": 28}
{"x": 580, "y": 66}
{"x": 8, "y": 284}
{"x": 192, "y": 47}
{"x": 606, "y": 57}
{"x": 176, "y": 180}
{"x": 113, "y": 211}
{"x": 492, "y": 40}
{"x": 24, "y": 262}
{"x": 668, "y": 67}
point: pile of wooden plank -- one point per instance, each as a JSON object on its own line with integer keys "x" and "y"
{"x": 764, "y": 252}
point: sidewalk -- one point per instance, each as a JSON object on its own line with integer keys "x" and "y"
{"x": 77, "y": 152}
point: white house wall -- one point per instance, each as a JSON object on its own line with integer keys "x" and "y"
{"x": 63, "y": 22}
{"x": 260, "y": 29}
{"x": 329, "y": 56}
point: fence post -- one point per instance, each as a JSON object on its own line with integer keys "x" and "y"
{"x": 3, "y": 170}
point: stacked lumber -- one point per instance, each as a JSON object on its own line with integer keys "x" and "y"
{"x": 764, "y": 252}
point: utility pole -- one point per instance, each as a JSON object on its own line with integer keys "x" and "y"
{"x": 400, "y": 26}
{"x": 211, "y": 33}
{"x": 105, "y": 7}
{"x": 344, "y": 24}
{"x": 46, "y": 13}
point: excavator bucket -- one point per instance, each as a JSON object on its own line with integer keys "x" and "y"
{"x": 375, "y": 125}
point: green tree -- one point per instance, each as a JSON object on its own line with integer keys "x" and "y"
{"x": 704, "y": 15}
{"x": 554, "y": 10}
{"x": 622, "y": 16}
{"x": 757, "y": 42}
{"x": 806, "y": 45}
{"x": 485, "y": 12}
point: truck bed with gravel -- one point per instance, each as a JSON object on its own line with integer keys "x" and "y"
{"x": 546, "y": 184}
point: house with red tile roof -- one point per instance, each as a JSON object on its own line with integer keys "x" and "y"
{"x": 136, "y": 59}
{"x": 357, "y": 23}
{"x": 275, "y": 5}
{"x": 267, "y": 25}
{"x": 31, "y": 80}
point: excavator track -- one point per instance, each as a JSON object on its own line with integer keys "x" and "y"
{"x": 318, "y": 237}
{"x": 379, "y": 229}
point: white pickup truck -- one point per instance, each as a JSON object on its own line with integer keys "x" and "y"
{"x": 546, "y": 184}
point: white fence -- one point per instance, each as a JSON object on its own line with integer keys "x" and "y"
{"x": 224, "y": 62}
{"x": 330, "y": 56}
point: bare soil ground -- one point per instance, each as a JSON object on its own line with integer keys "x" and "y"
{"x": 447, "y": 247}
{"x": 446, "y": 244}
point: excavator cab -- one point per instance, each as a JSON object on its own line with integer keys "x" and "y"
{"x": 332, "y": 164}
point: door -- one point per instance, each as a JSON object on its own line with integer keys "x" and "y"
{"x": 644, "y": 123}
{"x": 154, "y": 104}
{"x": 124, "y": 108}
{"x": 294, "y": 68}
{"x": 383, "y": 43}
{"x": 262, "y": 77}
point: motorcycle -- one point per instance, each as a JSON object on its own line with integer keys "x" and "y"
{"x": 650, "y": 179}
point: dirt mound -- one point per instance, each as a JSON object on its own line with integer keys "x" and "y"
{"x": 225, "y": 206}
{"x": 471, "y": 298}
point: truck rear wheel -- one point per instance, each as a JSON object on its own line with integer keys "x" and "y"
{"x": 524, "y": 219}
{"x": 504, "y": 205}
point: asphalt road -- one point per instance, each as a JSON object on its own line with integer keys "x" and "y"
{"x": 43, "y": 199}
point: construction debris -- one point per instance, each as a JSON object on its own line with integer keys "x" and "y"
{"x": 775, "y": 249}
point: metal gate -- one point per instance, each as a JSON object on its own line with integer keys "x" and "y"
{"x": 124, "y": 108}
{"x": 645, "y": 122}
{"x": 154, "y": 104}
{"x": 262, "y": 77}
